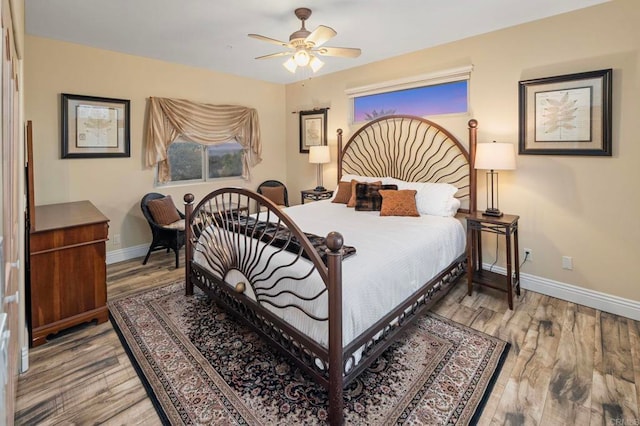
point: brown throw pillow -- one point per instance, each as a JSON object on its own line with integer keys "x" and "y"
{"x": 398, "y": 203}
{"x": 352, "y": 199}
{"x": 344, "y": 193}
{"x": 163, "y": 211}
{"x": 274, "y": 193}
{"x": 368, "y": 199}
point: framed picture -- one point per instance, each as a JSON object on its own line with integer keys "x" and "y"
{"x": 566, "y": 115}
{"x": 94, "y": 127}
{"x": 313, "y": 128}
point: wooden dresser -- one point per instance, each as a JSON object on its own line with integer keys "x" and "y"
{"x": 68, "y": 271}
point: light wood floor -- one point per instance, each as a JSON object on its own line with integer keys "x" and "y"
{"x": 568, "y": 364}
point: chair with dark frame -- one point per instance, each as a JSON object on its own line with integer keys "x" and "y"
{"x": 166, "y": 223}
{"x": 276, "y": 191}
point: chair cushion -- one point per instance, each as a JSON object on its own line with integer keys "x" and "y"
{"x": 274, "y": 193}
{"x": 178, "y": 224}
{"x": 163, "y": 210}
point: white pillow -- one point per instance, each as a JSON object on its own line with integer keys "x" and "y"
{"x": 348, "y": 178}
{"x": 436, "y": 199}
{"x": 452, "y": 206}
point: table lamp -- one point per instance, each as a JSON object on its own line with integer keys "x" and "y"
{"x": 494, "y": 156}
{"x": 319, "y": 155}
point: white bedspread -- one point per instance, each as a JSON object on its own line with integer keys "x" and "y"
{"x": 394, "y": 257}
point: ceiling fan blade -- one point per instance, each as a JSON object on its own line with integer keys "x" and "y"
{"x": 320, "y": 36}
{"x": 274, "y": 55}
{"x": 343, "y": 52}
{"x": 269, "y": 40}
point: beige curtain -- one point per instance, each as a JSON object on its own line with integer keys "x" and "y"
{"x": 203, "y": 123}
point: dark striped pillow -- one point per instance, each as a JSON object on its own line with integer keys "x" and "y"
{"x": 368, "y": 198}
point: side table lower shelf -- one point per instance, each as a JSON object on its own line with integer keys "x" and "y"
{"x": 495, "y": 280}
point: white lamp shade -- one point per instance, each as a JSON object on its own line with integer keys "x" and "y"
{"x": 495, "y": 156}
{"x": 301, "y": 58}
{"x": 319, "y": 154}
{"x": 290, "y": 65}
{"x": 315, "y": 63}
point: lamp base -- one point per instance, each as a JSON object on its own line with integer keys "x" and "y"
{"x": 492, "y": 212}
{"x": 320, "y": 188}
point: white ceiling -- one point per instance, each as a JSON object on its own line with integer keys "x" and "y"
{"x": 212, "y": 34}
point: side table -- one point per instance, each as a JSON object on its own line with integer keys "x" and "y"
{"x": 313, "y": 195}
{"x": 506, "y": 225}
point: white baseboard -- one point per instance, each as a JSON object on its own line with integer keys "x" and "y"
{"x": 24, "y": 357}
{"x": 591, "y": 298}
{"x": 128, "y": 253}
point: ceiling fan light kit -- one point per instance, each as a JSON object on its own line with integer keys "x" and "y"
{"x": 301, "y": 57}
{"x": 305, "y": 45}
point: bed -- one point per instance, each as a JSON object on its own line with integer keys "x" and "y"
{"x": 328, "y": 285}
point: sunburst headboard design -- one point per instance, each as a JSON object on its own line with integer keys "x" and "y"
{"x": 412, "y": 149}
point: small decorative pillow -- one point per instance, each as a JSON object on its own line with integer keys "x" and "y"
{"x": 399, "y": 203}
{"x": 163, "y": 211}
{"x": 352, "y": 199}
{"x": 368, "y": 198}
{"x": 343, "y": 195}
{"x": 274, "y": 193}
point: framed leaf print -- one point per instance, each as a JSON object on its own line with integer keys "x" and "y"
{"x": 566, "y": 115}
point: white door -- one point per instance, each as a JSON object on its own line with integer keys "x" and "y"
{"x": 12, "y": 176}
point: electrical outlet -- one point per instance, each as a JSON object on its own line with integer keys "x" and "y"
{"x": 116, "y": 239}
{"x": 528, "y": 255}
{"x": 567, "y": 263}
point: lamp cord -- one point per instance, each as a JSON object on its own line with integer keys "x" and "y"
{"x": 496, "y": 256}
{"x": 526, "y": 256}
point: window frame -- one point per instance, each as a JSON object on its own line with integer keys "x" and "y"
{"x": 423, "y": 80}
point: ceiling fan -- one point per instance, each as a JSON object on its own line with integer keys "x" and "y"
{"x": 306, "y": 45}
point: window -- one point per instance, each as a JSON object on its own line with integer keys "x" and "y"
{"x": 448, "y": 98}
{"x": 194, "y": 162}
{"x": 444, "y": 92}
{"x": 224, "y": 160}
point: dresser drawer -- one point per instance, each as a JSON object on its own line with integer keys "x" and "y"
{"x": 57, "y": 239}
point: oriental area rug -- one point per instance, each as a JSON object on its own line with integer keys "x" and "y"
{"x": 201, "y": 366}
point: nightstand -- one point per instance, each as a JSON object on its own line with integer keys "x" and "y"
{"x": 313, "y": 195}
{"x": 507, "y": 226}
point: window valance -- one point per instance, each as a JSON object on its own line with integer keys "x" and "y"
{"x": 167, "y": 119}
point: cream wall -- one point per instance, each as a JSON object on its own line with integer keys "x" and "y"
{"x": 583, "y": 207}
{"x": 116, "y": 185}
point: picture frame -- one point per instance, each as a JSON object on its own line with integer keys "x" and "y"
{"x": 95, "y": 127}
{"x": 313, "y": 129}
{"x": 566, "y": 115}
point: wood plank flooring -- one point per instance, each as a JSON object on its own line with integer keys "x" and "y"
{"x": 568, "y": 364}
